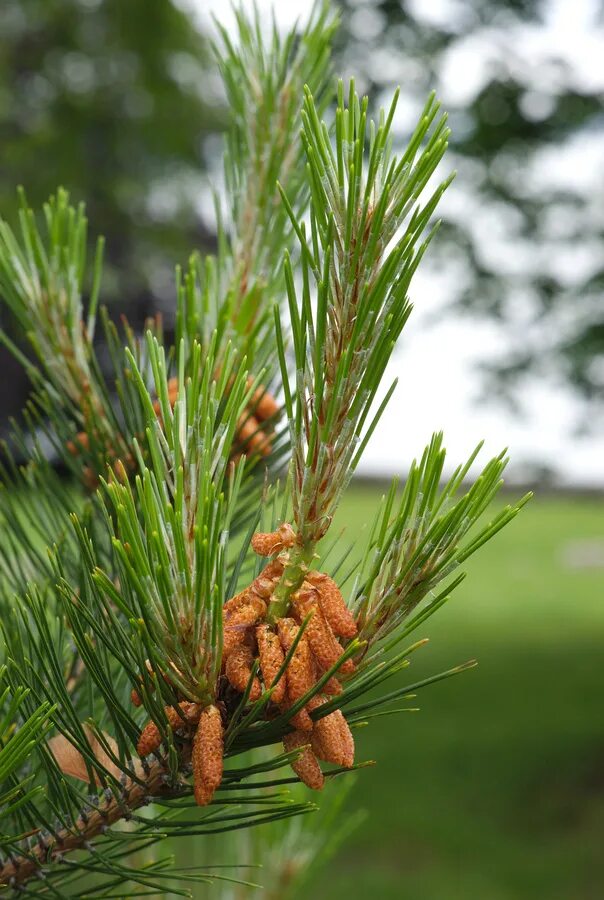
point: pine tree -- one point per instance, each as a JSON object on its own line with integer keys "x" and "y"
{"x": 178, "y": 622}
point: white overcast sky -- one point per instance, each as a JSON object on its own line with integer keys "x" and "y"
{"x": 434, "y": 361}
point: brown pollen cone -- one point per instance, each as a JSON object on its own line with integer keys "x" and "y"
{"x": 236, "y": 624}
{"x": 271, "y": 657}
{"x": 263, "y": 405}
{"x": 150, "y": 738}
{"x": 306, "y": 766}
{"x": 300, "y": 672}
{"x": 251, "y": 436}
{"x": 236, "y": 602}
{"x": 332, "y": 686}
{"x": 82, "y": 442}
{"x": 267, "y": 543}
{"x": 207, "y": 756}
{"x": 238, "y": 670}
{"x": 333, "y": 605}
{"x": 332, "y": 739}
{"x": 323, "y": 643}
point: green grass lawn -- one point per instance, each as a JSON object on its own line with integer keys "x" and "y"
{"x": 495, "y": 790}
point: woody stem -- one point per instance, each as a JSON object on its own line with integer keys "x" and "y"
{"x": 133, "y": 795}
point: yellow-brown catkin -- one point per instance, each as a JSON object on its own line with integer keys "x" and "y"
{"x": 251, "y": 435}
{"x": 323, "y": 643}
{"x": 332, "y": 686}
{"x": 235, "y": 602}
{"x": 263, "y": 405}
{"x": 151, "y": 738}
{"x": 135, "y": 697}
{"x": 238, "y": 670}
{"x": 332, "y": 739}
{"x": 238, "y": 623}
{"x": 333, "y": 605}
{"x": 172, "y": 390}
{"x": 300, "y": 672}
{"x": 271, "y": 658}
{"x": 90, "y": 478}
{"x": 172, "y": 396}
{"x": 271, "y": 542}
{"x": 306, "y": 766}
{"x": 82, "y": 442}
{"x": 206, "y": 758}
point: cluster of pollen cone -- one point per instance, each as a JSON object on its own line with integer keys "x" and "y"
{"x": 249, "y": 637}
{"x": 253, "y": 435}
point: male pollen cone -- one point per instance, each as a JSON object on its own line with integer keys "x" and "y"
{"x": 240, "y": 620}
{"x": 300, "y": 674}
{"x": 207, "y": 755}
{"x": 82, "y": 442}
{"x": 271, "y": 542}
{"x": 250, "y": 434}
{"x": 331, "y": 738}
{"x": 150, "y": 737}
{"x": 333, "y": 605}
{"x": 306, "y": 766}
{"x": 323, "y": 643}
{"x": 271, "y": 657}
{"x": 262, "y": 403}
{"x": 238, "y": 670}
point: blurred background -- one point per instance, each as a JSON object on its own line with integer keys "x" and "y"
{"x": 496, "y": 789}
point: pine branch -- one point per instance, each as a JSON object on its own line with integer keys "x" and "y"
{"x": 362, "y": 265}
{"x": 167, "y": 659}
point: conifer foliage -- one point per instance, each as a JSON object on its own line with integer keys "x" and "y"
{"x": 178, "y": 623}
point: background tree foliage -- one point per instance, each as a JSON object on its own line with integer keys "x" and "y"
{"x": 533, "y": 244}
{"x": 116, "y": 100}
